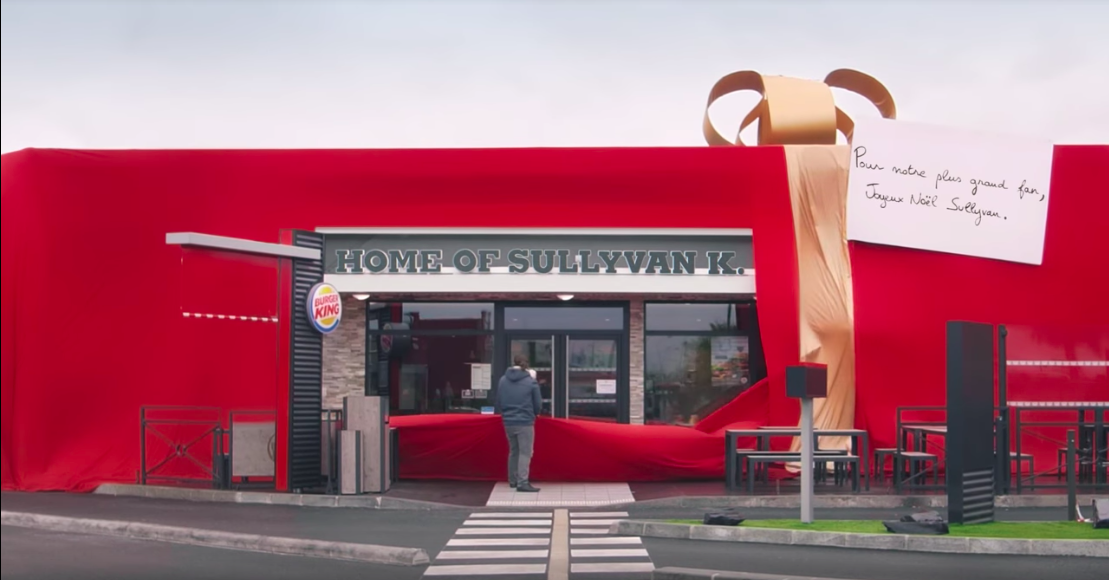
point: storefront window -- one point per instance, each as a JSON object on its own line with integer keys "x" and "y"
{"x": 563, "y": 318}
{"x": 431, "y": 357}
{"x": 697, "y": 357}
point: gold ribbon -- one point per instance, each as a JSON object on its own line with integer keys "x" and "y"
{"x": 797, "y": 111}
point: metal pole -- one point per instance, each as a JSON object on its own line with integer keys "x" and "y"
{"x": 216, "y": 459}
{"x": 1100, "y": 440}
{"x": 1003, "y": 442}
{"x": 1002, "y": 364}
{"x": 142, "y": 446}
{"x": 807, "y": 444}
{"x": 1072, "y": 484}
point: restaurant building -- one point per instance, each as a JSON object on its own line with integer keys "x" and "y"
{"x": 621, "y": 325}
{"x": 660, "y": 293}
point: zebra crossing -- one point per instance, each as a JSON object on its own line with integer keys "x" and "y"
{"x": 593, "y": 552}
{"x": 532, "y": 545}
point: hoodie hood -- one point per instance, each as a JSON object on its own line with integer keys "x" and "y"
{"x": 516, "y": 374}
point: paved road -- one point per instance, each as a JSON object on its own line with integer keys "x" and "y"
{"x": 28, "y": 554}
{"x": 34, "y": 555}
{"x": 865, "y": 564}
{"x": 410, "y": 529}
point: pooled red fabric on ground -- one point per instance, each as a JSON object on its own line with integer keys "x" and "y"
{"x": 474, "y": 447}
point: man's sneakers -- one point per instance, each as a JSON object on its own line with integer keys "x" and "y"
{"x": 525, "y": 488}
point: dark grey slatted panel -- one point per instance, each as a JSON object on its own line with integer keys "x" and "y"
{"x": 306, "y": 372}
{"x": 978, "y": 498}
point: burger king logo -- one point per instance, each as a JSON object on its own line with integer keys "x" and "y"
{"x": 325, "y": 308}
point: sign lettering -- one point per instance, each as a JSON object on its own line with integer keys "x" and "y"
{"x": 539, "y": 261}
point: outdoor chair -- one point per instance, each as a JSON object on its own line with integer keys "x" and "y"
{"x": 1020, "y": 459}
{"x": 917, "y": 463}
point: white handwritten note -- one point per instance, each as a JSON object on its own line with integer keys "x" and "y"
{"x": 948, "y": 190}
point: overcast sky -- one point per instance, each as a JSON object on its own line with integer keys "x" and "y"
{"x": 462, "y": 73}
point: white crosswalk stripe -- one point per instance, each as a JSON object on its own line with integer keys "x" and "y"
{"x": 491, "y": 554}
{"x": 519, "y": 545}
{"x": 524, "y": 515}
{"x": 484, "y": 570}
{"x": 501, "y": 523}
{"x": 498, "y": 542}
{"x": 609, "y": 553}
{"x": 607, "y": 541}
{"x": 480, "y": 531}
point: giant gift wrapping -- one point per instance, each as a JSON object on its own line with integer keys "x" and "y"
{"x": 93, "y": 298}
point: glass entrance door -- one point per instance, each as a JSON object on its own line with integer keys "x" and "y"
{"x": 578, "y": 376}
{"x": 540, "y": 353}
{"x": 592, "y": 380}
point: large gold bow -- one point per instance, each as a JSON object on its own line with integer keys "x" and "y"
{"x": 797, "y": 111}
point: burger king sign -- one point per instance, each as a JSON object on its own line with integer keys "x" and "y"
{"x": 325, "y": 307}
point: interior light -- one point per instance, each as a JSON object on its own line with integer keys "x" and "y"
{"x": 361, "y": 296}
{"x": 565, "y": 297}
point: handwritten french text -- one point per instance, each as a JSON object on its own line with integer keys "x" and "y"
{"x": 872, "y": 193}
{"x": 860, "y": 152}
{"x": 972, "y": 208}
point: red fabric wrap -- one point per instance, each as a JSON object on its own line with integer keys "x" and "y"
{"x": 100, "y": 332}
{"x": 12, "y": 164}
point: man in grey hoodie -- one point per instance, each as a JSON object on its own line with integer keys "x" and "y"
{"x": 518, "y": 402}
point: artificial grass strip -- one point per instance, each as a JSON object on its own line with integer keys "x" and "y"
{"x": 1005, "y": 530}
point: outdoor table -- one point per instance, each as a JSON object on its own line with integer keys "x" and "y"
{"x": 919, "y": 433}
{"x": 859, "y": 442}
